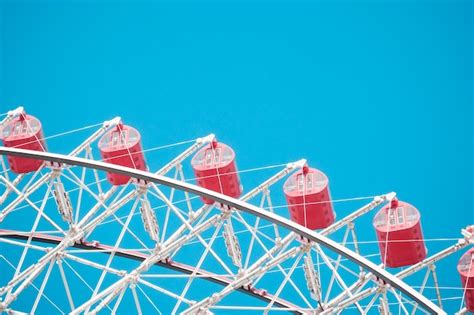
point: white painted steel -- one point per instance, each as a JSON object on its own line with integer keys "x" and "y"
{"x": 303, "y": 232}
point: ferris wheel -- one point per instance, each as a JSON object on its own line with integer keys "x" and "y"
{"x": 81, "y": 233}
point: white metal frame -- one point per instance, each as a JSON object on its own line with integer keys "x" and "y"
{"x": 76, "y": 233}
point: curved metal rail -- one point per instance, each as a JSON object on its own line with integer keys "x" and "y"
{"x": 135, "y": 255}
{"x": 237, "y": 204}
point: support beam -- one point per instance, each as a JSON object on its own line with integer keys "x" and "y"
{"x": 240, "y": 205}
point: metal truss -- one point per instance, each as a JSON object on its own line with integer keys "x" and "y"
{"x": 255, "y": 251}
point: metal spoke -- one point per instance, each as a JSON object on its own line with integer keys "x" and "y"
{"x": 268, "y": 268}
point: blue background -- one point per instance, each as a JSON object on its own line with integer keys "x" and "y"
{"x": 377, "y": 94}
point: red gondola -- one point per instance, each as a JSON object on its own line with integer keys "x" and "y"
{"x": 399, "y": 234}
{"x": 122, "y": 146}
{"x": 215, "y": 169}
{"x": 23, "y": 132}
{"x": 308, "y": 198}
{"x": 466, "y": 270}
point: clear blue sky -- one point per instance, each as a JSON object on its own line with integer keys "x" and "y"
{"x": 377, "y": 94}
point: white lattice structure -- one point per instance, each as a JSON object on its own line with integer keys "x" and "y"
{"x": 234, "y": 255}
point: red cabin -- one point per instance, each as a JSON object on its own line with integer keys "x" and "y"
{"x": 23, "y": 132}
{"x": 215, "y": 169}
{"x": 466, "y": 270}
{"x": 121, "y": 146}
{"x": 308, "y": 198}
{"x": 404, "y": 244}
